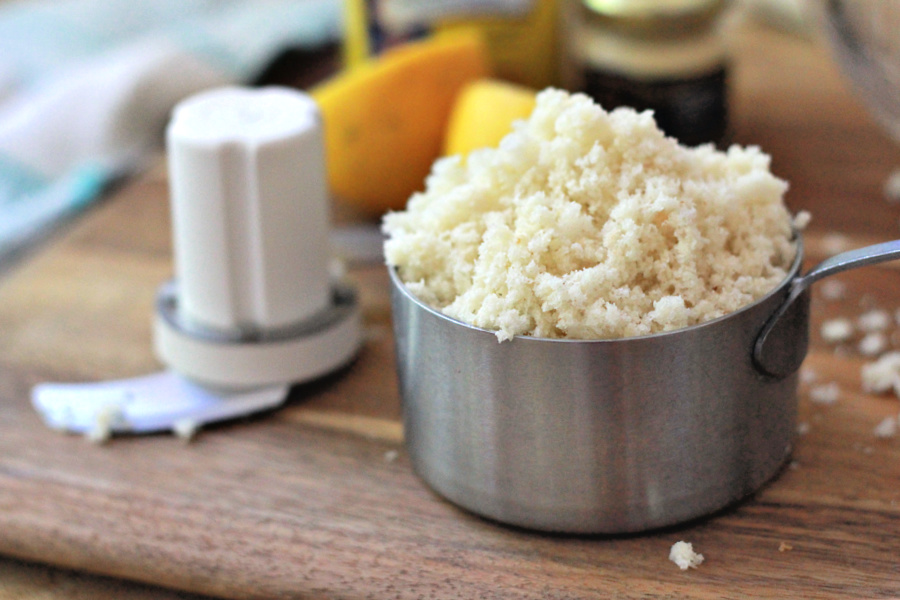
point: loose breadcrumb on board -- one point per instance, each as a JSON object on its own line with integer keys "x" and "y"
{"x": 892, "y": 187}
{"x": 833, "y": 290}
{"x": 873, "y": 344}
{"x": 827, "y": 393}
{"x": 105, "y": 421}
{"x": 801, "y": 220}
{"x": 835, "y": 331}
{"x": 186, "y": 429}
{"x": 682, "y": 554}
{"x": 864, "y": 449}
{"x": 887, "y": 428}
{"x": 835, "y": 243}
{"x": 808, "y": 375}
{"x": 874, "y": 320}
{"x": 883, "y": 375}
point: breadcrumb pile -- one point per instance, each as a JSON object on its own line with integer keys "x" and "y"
{"x": 589, "y": 224}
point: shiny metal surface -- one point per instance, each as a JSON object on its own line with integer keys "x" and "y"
{"x": 607, "y": 436}
{"x": 602, "y": 436}
{"x": 782, "y": 343}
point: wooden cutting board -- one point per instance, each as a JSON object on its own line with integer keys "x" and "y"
{"x": 317, "y": 499}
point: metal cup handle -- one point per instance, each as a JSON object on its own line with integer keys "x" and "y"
{"x": 782, "y": 343}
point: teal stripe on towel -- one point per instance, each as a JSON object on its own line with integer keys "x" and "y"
{"x": 88, "y": 182}
{"x": 239, "y": 39}
{"x": 17, "y": 180}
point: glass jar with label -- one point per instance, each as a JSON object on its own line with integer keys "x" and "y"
{"x": 664, "y": 55}
{"x": 520, "y": 35}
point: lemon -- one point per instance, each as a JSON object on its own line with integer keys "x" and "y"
{"x": 385, "y": 120}
{"x": 483, "y": 114}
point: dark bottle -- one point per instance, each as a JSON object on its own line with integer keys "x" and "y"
{"x": 664, "y": 55}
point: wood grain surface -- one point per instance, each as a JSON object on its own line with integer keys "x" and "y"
{"x": 318, "y": 499}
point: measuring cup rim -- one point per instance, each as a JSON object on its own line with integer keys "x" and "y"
{"x": 792, "y": 274}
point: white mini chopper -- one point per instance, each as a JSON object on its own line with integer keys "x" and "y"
{"x": 253, "y": 308}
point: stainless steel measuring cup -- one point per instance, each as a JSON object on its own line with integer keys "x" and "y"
{"x": 607, "y": 436}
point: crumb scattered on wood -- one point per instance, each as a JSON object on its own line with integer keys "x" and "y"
{"x": 833, "y": 289}
{"x": 863, "y": 448}
{"x": 105, "y": 421}
{"x": 185, "y": 429}
{"x": 873, "y": 344}
{"x": 808, "y": 375}
{"x": 887, "y": 428}
{"x": 835, "y": 243}
{"x": 883, "y": 375}
{"x": 801, "y": 220}
{"x": 827, "y": 393}
{"x": 835, "y": 331}
{"x": 892, "y": 187}
{"x": 874, "y": 320}
{"x": 683, "y": 555}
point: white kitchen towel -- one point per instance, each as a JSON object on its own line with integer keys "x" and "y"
{"x": 86, "y": 86}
